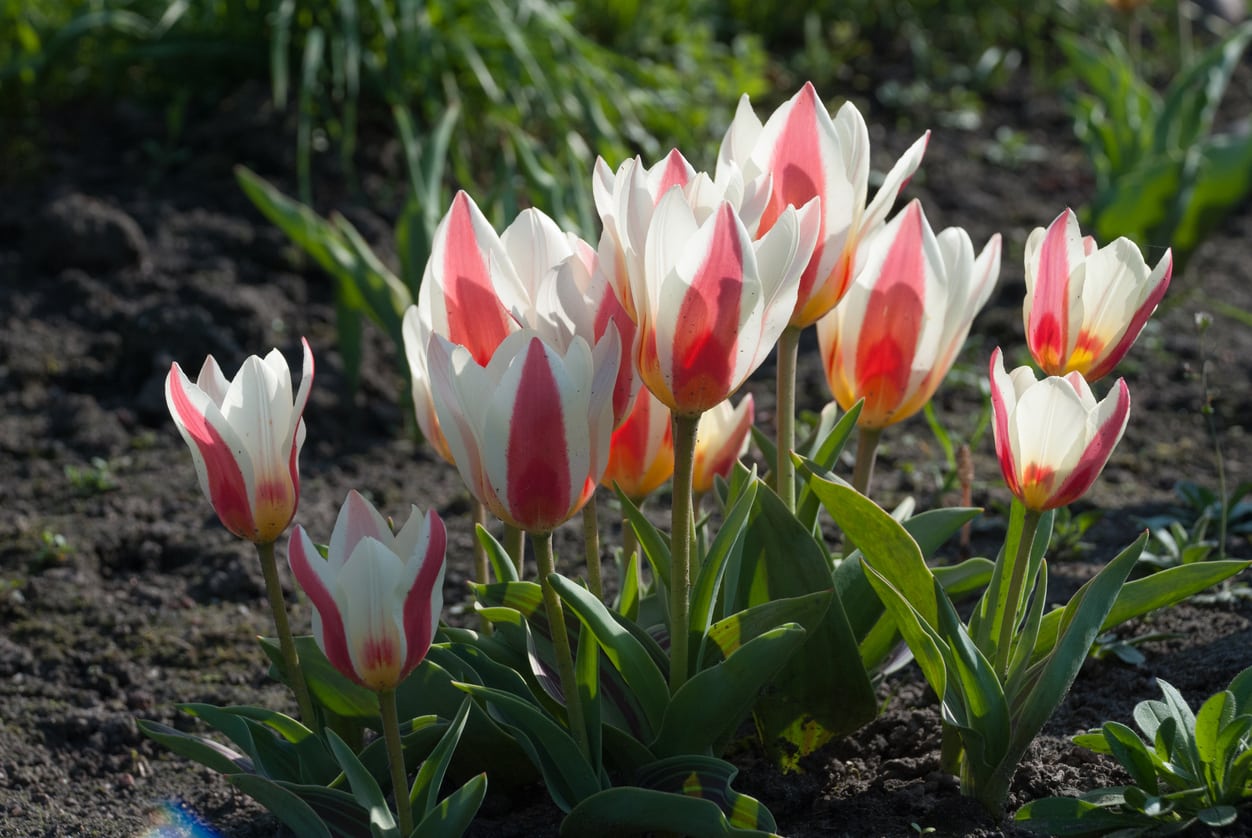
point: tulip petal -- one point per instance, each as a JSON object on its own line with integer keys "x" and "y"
{"x": 316, "y": 577}
{"x": 372, "y": 613}
{"x": 1152, "y": 290}
{"x": 1051, "y": 260}
{"x": 358, "y": 520}
{"x": 424, "y": 575}
{"x": 1110, "y": 423}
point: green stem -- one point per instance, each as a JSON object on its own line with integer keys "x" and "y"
{"x": 866, "y": 453}
{"x": 482, "y": 567}
{"x": 591, "y": 544}
{"x": 1010, "y": 617}
{"x": 681, "y": 522}
{"x": 785, "y": 470}
{"x": 560, "y": 640}
{"x": 395, "y": 755}
{"x": 630, "y": 545}
{"x": 291, "y": 660}
{"x": 515, "y": 546}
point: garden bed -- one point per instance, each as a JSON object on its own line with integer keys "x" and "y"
{"x": 120, "y": 595}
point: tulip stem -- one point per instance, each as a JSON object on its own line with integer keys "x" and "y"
{"x": 1021, "y": 559}
{"x": 560, "y": 641}
{"x": 515, "y": 546}
{"x": 866, "y": 454}
{"x": 395, "y": 755}
{"x": 591, "y": 543}
{"x": 482, "y": 567}
{"x": 785, "y": 416}
{"x": 682, "y": 520}
{"x": 291, "y": 660}
{"x": 630, "y": 546}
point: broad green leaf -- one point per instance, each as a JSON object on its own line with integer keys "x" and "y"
{"x": 1138, "y": 201}
{"x": 502, "y": 567}
{"x": 364, "y": 787}
{"x": 923, "y": 639}
{"x": 1214, "y": 715}
{"x": 626, "y": 812}
{"x": 329, "y": 687}
{"x": 425, "y": 790}
{"x": 272, "y": 756}
{"x": 1191, "y": 101}
{"x": 707, "y": 778}
{"x": 730, "y": 634}
{"x": 220, "y": 758}
{"x": 712, "y": 703}
{"x": 565, "y": 770}
{"x": 1218, "y": 816}
{"x": 809, "y": 704}
{"x": 1064, "y": 816}
{"x": 1218, "y": 178}
{"x": 627, "y": 655}
{"x": 1141, "y": 596}
{"x": 454, "y": 814}
{"x": 316, "y": 765}
{"x": 296, "y": 813}
{"x": 587, "y": 675}
{"x": 1241, "y": 688}
{"x": 724, "y": 552}
{"x": 823, "y": 454}
{"x": 1128, "y": 749}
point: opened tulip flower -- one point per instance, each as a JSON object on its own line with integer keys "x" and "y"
{"x": 377, "y": 594}
{"x": 721, "y": 440}
{"x": 1052, "y": 437}
{"x": 1085, "y": 305}
{"x": 712, "y": 302}
{"x": 245, "y": 436}
{"x": 376, "y": 601}
{"x": 810, "y": 155}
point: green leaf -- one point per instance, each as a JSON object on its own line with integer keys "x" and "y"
{"x": 1063, "y": 816}
{"x": 1218, "y": 178}
{"x": 1218, "y": 816}
{"x": 1141, "y": 596}
{"x": 1214, "y": 715}
{"x": 928, "y": 648}
{"x": 654, "y": 545}
{"x": 316, "y": 765}
{"x": 587, "y": 676}
{"x": 364, "y": 787}
{"x": 502, "y": 567}
{"x": 1128, "y": 749}
{"x": 454, "y": 814}
{"x": 724, "y": 552}
{"x": 292, "y": 810}
{"x": 809, "y": 704}
{"x": 730, "y": 634}
{"x": 425, "y": 791}
{"x": 218, "y": 757}
{"x": 712, "y": 703}
{"x": 330, "y": 688}
{"x": 1191, "y": 101}
{"x": 626, "y": 812}
{"x": 273, "y": 757}
{"x": 823, "y": 455}
{"x": 706, "y": 778}
{"x": 627, "y": 655}
{"x": 565, "y": 770}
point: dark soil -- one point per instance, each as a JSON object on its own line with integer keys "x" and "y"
{"x": 120, "y": 595}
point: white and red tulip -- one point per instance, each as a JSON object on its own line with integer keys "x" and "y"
{"x": 1085, "y": 305}
{"x": 245, "y": 436}
{"x": 810, "y": 155}
{"x": 1052, "y": 437}
{"x": 712, "y": 301}
{"x": 530, "y": 431}
{"x": 377, "y": 594}
{"x": 905, "y": 317}
{"x": 721, "y": 440}
{"x": 641, "y": 454}
{"x": 460, "y": 299}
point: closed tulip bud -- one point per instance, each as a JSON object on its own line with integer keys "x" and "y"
{"x": 809, "y": 155}
{"x": 720, "y": 441}
{"x": 1085, "y": 305}
{"x": 377, "y": 594}
{"x": 903, "y": 322}
{"x": 245, "y": 436}
{"x": 1052, "y": 437}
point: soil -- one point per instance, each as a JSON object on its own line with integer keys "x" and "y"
{"x": 121, "y": 595}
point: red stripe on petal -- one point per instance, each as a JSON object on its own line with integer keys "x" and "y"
{"x": 1097, "y": 453}
{"x": 540, "y": 484}
{"x": 1049, "y": 308}
{"x": 675, "y": 172}
{"x": 228, "y": 491}
{"x": 1000, "y": 426}
{"x": 706, "y": 339}
{"x": 334, "y": 641}
{"x": 418, "y": 619}
{"x": 476, "y": 319}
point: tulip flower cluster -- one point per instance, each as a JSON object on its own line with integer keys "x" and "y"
{"x": 544, "y": 366}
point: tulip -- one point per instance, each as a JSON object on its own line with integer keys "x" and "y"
{"x": 809, "y": 155}
{"x": 1085, "y": 306}
{"x": 376, "y": 599}
{"x": 460, "y": 300}
{"x": 245, "y": 436}
{"x": 712, "y": 301}
{"x": 1052, "y": 437}
{"x": 721, "y": 440}
{"x": 905, "y": 317}
{"x": 530, "y": 431}
{"x": 377, "y": 594}
{"x": 641, "y": 453}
